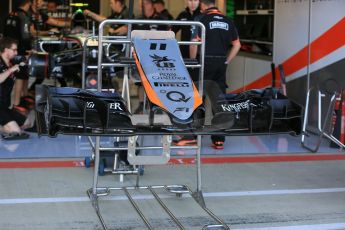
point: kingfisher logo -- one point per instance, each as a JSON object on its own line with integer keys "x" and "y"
{"x": 236, "y": 107}
{"x": 163, "y": 62}
{"x": 115, "y": 106}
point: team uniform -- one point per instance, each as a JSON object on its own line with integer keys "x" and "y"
{"x": 165, "y": 15}
{"x": 154, "y": 16}
{"x": 6, "y": 114}
{"x": 185, "y": 15}
{"x": 17, "y": 26}
{"x": 122, "y": 15}
{"x": 39, "y": 19}
{"x": 221, "y": 33}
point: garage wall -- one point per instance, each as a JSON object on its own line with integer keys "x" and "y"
{"x": 300, "y": 25}
{"x": 309, "y": 41}
{"x": 304, "y": 25}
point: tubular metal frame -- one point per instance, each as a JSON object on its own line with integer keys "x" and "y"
{"x": 96, "y": 191}
{"x": 85, "y": 67}
{"x": 321, "y": 126}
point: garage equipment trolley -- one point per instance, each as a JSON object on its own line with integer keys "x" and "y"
{"x": 96, "y": 192}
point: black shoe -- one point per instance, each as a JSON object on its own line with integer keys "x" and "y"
{"x": 14, "y": 136}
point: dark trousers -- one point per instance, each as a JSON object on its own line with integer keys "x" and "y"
{"x": 214, "y": 84}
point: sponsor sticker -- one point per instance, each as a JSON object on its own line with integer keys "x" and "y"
{"x": 236, "y": 107}
{"x": 219, "y": 25}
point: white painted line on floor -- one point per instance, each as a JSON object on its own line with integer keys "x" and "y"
{"x": 147, "y": 197}
{"x": 334, "y": 226}
{"x": 273, "y": 192}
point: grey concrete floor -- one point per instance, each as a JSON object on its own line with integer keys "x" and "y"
{"x": 286, "y": 195}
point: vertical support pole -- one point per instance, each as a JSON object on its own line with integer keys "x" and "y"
{"x": 197, "y": 195}
{"x": 125, "y": 84}
{"x": 83, "y": 65}
{"x": 95, "y": 172}
{"x": 309, "y": 41}
{"x": 273, "y": 71}
{"x": 198, "y": 163}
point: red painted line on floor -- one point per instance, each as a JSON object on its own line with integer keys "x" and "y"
{"x": 259, "y": 159}
{"x": 187, "y": 161}
{"x": 42, "y": 164}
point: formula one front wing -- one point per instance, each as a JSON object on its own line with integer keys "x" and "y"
{"x": 83, "y": 112}
{"x": 75, "y": 111}
{"x": 169, "y": 89}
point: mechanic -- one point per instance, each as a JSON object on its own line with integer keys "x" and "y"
{"x": 17, "y": 26}
{"x": 191, "y": 11}
{"x": 159, "y": 6}
{"x": 42, "y": 24}
{"x": 120, "y": 11}
{"x": 221, "y": 46}
{"x": 11, "y": 121}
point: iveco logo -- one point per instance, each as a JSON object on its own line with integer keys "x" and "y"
{"x": 90, "y": 105}
{"x": 171, "y": 84}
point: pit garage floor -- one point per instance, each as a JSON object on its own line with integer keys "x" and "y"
{"x": 256, "y": 182}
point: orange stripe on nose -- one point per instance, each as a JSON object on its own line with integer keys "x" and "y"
{"x": 148, "y": 88}
{"x": 197, "y": 98}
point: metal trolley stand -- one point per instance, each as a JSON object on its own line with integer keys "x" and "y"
{"x": 95, "y": 192}
{"x": 324, "y": 124}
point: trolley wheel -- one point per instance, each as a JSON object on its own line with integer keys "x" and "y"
{"x": 102, "y": 166}
{"x": 141, "y": 170}
{"x": 87, "y": 162}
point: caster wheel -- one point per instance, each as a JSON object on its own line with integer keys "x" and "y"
{"x": 102, "y": 166}
{"x": 141, "y": 170}
{"x": 87, "y": 162}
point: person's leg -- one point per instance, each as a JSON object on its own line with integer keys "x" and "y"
{"x": 12, "y": 131}
{"x": 19, "y": 105}
{"x": 11, "y": 127}
{"x": 8, "y": 120}
{"x": 18, "y": 88}
{"x": 215, "y": 86}
{"x": 11, "y": 122}
{"x": 25, "y": 88}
